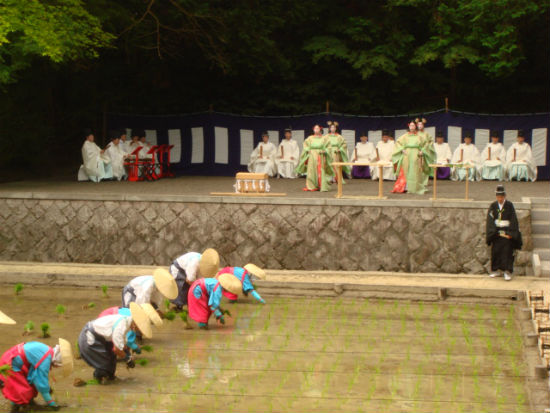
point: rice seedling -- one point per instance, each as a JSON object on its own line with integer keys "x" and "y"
{"x": 5, "y": 370}
{"x": 28, "y": 328}
{"x": 170, "y": 315}
{"x": 104, "y": 290}
{"x": 18, "y": 288}
{"x": 148, "y": 348}
{"x": 60, "y": 309}
{"x": 45, "y": 328}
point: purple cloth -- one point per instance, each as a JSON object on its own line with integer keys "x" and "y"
{"x": 360, "y": 172}
{"x": 443, "y": 173}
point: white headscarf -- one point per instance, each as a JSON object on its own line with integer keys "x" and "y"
{"x": 56, "y": 359}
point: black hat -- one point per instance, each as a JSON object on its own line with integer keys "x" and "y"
{"x": 468, "y": 134}
{"x": 364, "y": 134}
{"x": 521, "y": 133}
{"x": 439, "y": 134}
{"x": 113, "y": 134}
{"x": 495, "y": 133}
{"x": 87, "y": 132}
{"x": 265, "y": 134}
{"x": 122, "y": 132}
{"x": 289, "y": 129}
{"x": 386, "y": 132}
{"x": 138, "y": 132}
{"x": 500, "y": 190}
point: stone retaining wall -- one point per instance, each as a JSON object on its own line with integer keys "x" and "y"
{"x": 334, "y": 236}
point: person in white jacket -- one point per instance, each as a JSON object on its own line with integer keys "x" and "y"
{"x": 493, "y": 159}
{"x": 465, "y": 154}
{"x": 288, "y": 155}
{"x": 519, "y": 161}
{"x": 384, "y": 151}
{"x": 96, "y": 166}
{"x": 443, "y": 156}
{"x": 364, "y": 152}
{"x": 116, "y": 155}
{"x": 262, "y": 159}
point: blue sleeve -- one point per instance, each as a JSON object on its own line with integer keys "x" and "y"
{"x": 131, "y": 340}
{"x": 257, "y": 296}
{"x": 215, "y": 298}
{"x": 16, "y": 363}
{"x": 197, "y": 292}
{"x": 247, "y": 284}
{"x": 39, "y": 378}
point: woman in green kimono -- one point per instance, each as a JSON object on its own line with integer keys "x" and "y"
{"x": 412, "y": 155}
{"x": 338, "y": 148}
{"x": 316, "y": 161}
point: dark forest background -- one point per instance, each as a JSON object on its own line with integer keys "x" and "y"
{"x": 64, "y": 63}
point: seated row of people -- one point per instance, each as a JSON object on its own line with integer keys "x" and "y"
{"x": 108, "y": 164}
{"x": 493, "y": 163}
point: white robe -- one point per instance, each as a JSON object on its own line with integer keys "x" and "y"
{"x": 125, "y": 146}
{"x": 493, "y": 167}
{"x": 470, "y": 156}
{"x": 265, "y": 164}
{"x": 385, "y": 151}
{"x": 524, "y": 166}
{"x": 96, "y": 166}
{"x": 288, "y": 148}
{"x": 143, "y": 153}
{"x": 132, "y": 146}
{"x": 116, "y": 155}
{"x": 443, "y": 152}
{"x": 365, "y": 152}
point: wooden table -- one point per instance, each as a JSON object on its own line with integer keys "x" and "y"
{"x": 465, "y": 166}
{"x": 339, "y": 165}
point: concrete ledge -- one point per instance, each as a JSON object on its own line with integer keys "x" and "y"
{"x": 409, "y": 203}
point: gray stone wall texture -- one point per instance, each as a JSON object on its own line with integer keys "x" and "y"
{"x": 300, "y": 237}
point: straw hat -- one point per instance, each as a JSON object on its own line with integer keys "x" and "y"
{"x": 67, "y": 359}
{"x": 152, "y": 314}
{"x": 4, "y": 319}
{"x": 230, "y": 283}
{"x": 255, "y": 270}
{"x": 165, "y": 283}
{"x": 209, "y": 263}
{"x": 139, "y": 316}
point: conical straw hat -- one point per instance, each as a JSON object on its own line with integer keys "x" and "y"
{"x": 142, "y": 320}
{"x": 230, "y": 283}
{"x": 67, "y": 359}
{"x": 4, "y": 319}
{"x": 209, "y": 263}
{"x": 165, "y": 283}
{"x": 152, "y": 314}
{"x": 255, "y": 270}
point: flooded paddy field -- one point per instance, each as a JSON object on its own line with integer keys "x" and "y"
{"x": 322, "y": 355}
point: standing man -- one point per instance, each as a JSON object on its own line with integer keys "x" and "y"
{"x": 288, "y": 155}
{"x": 384, "y": 150}
{"x": 503, "y": 235}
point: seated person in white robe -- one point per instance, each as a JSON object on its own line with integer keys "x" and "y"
{"x": 384, "y": 151}
{"x": 493, "y": 159}
{"x": 262, "y": 159}
{"x": 288, "y": 155}
{"x": 143, "y": 154}
{"x": 465, "y": 154}
{"x": 364, "y": 152}
{"x": 519, "y": 160}
{"x": 96, "y": 166}
{"x": 443, "y": 156}
{"x": 134, "y": 143}
{"x": 124, "y": 143}
{"x": 116, "y": 155}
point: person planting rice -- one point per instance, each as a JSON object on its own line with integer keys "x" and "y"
{"x": 29, "y": 370}
{"x": 190, "y": 266}
{"x": 4, "y": 319}
{"x": 151, "y": 289}
{"x": 102, "y": 340}
{"x": 244, "y": 275}
{"x": 131, "y": 336}
{"x": 205, "y": 295}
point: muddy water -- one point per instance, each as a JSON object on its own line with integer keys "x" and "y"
{"x": 298, "y": 355}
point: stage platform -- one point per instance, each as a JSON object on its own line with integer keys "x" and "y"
{"x": 202, "y": 186}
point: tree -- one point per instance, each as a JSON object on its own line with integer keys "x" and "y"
{"x": 58, "y": 30}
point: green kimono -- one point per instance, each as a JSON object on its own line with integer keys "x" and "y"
{"x": 406, "y": 155}
{"x": 339, "y": 151}
{"x": 317, "y": 162}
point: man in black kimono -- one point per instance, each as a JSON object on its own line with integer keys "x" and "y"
{"x": 503, "y": 235}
